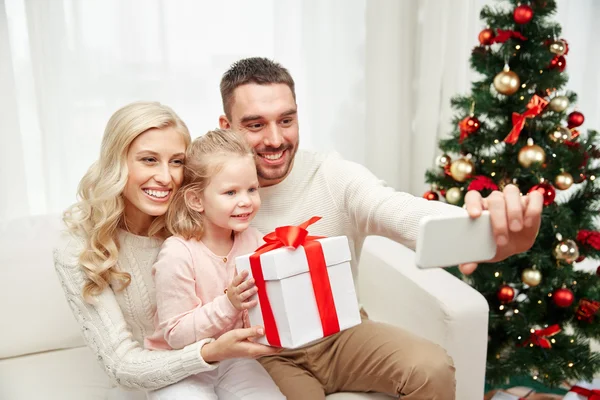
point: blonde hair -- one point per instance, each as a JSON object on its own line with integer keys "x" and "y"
{"x": 100, "y": 209}
{"x": 204, "y": 158}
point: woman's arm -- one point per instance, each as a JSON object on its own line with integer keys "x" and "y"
{"x": 105, "y": 331}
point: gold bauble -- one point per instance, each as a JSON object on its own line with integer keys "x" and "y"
{"x": 558, "y": 47}
{"x": 531, "y": 154}
{"x": 563, "y": 181}
{"x": 560, "y": 134}
{"x": 559, "y": 103}
{"x": 461, "y": 169}
{"x": 507, "y": 82}
{"x": 566, "y": 250}
{"x": 453, "y": 195}
{"x": 443, "y": 160}
{"x": 531, "y": 277}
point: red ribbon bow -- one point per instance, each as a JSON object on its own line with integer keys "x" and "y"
{"x": 539, "y": 337}
{"x": 295, "y": 236}
{"x": 535, "y": 107}
{"x": 503, "y": 36}
{"x": 591, "y": 394}
{"x": 587, "y": 309}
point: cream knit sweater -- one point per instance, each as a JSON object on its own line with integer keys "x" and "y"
{"x": 114, "y": 326}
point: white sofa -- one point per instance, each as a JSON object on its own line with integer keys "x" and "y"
{"x": 42, "y": 355}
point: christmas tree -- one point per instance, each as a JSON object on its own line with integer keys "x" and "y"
{"x": 518, "y": 125}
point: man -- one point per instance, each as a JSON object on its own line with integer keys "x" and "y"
{"x": 259, "y": 101}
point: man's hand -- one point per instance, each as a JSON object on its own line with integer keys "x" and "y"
{"x": 240, "y": 290}
{"x": 515, "y": 220}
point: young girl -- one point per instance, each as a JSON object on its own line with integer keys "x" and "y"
{"x": 198, "y": 293}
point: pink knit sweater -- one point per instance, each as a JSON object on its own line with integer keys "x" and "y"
{"x": 190, "y": 282}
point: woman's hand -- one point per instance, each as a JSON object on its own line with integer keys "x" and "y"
{"x": 237, "y": 343}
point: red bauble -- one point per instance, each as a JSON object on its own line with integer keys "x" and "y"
{"x": 506, "y": 294}
{"x": 563, "y": 297}
{"x": 486, "y": 36}
{"x": 482, "y": 182}
{"x": 549, "y": 192}
{"x": 558, "y": 62}
{"x": 575, "y": 119}
{"x": 431, "y": 195}
{"x": 523, "y": 14}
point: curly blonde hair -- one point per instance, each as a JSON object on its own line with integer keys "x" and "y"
{"x": 99, "y": 212}
{"x": 204, "y": 158}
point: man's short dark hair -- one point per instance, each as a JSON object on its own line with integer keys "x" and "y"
{"x": 257, "y": 70}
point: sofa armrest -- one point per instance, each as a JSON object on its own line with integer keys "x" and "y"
{"x": 430, "y": 303}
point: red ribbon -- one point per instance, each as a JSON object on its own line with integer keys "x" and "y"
{"x": 295, "y": 236}
{"x": 503, "y": 36}
{"x": 587, "y": 309}
{"x": 539, "y": 337}
{"x": 591, "y": 394}
{"x": 535, "y": 107}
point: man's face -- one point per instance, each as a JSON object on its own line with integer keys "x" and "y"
{"x": 267, "y": 116}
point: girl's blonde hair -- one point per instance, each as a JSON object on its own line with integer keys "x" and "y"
{"x": 204, "y": 158}
{"x": 99, "y": 211}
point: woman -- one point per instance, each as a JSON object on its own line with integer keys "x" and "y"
{"x": 115, "y": 231}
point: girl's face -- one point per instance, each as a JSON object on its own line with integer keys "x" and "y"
{"x": 155, "y": 163}
{"x": 231, "y": 200}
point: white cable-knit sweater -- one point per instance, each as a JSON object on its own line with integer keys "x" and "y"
{"x": 351, "y": 200}
{"x": 114, "y": 326}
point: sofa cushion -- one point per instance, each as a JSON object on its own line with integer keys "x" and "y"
{"x": 43, "y": 320}
{"x": 71, "y": 374}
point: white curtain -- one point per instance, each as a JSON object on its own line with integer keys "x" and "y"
{"x": 67, "y": 65}
{"x": 374, "y": 78}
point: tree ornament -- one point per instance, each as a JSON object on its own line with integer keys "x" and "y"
{"x": 454, "y": 195}
{"x": 563, "y": 297}
{"x": 482, "y": 182}
{"x": 486, "y": 37}
{"x": 574, "y": 134}
{"x": 522, "y": 14}
{"x": 505, "y": 294}
{"x": 558, "y": 62}
{"x": 587, "y": 309}
{"x": 566, "y": 250}
{"x": 431, "y": 195}
{"x": 531, "y": 154}
{"x": 560, "y": 134}
{"x": 563, "y": 181}
{"x": 531, "y": 277}
{"x": 507, "y": 82}
{"x": 558, "y": 47}
{"x": 461, "y": 169}
{"x": 589, "y": 238}
{"x": 468, "y": 126}
{"x": 575, "y": 119}
{"x": 579, "y": 178}
{"x": 549, "y": 192}
{"x": 443, "y": 160}
{"x": 506, "y": 181}
{"x": 559, "y": 103}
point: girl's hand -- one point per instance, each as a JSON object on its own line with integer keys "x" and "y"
{"x": 241, "y": 290}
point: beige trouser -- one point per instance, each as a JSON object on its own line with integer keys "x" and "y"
{"x": 370, "y": 357}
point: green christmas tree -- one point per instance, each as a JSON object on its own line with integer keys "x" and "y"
{"x": 518, "y": 125}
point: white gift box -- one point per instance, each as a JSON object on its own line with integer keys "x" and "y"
{"x": 291, "y": 295}
{"x": 595, "y": 384}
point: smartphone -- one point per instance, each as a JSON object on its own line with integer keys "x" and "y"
{"x": 445, "y": 241}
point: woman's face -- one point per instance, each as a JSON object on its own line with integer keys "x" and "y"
{"x": 155, "y": 162}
